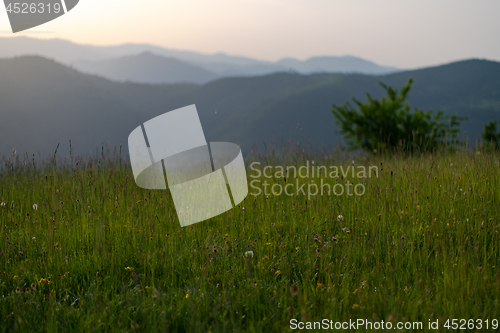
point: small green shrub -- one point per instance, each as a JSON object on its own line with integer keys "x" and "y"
{"x": 389, "y": 123}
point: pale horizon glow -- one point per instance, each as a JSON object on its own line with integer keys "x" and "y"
{"x": 404, "y": 34}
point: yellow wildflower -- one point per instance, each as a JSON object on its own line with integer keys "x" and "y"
{"x": 278, "y": 272}
{"x": 129, "y": 268}
{"x": 355, "y": 306}
{"x": 42, "y": 281}
{"x": 187, "y": 296}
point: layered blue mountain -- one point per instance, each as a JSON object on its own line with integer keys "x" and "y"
{"x": 43, "y": 102}
{"x": 147, "y": 68}
{"x": 145, "y": 63}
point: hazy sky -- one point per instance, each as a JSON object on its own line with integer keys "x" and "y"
{"x": 402, "y": 33}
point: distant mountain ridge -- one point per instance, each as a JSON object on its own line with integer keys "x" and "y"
{"x": 345, "y": 64}
{"x": 108, "y": 62}
{"x": 43, "y": 102}
{"x": 147, "y": 68}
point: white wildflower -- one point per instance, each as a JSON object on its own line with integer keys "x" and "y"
{"x": 249, "y": 254}
{"x": 340, "y": 218}
{"x": 35, "y": 206}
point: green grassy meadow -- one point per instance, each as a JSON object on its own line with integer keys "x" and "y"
{"x": 100, "y": 254}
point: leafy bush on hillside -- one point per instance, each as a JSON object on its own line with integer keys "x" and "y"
{"x": 490, "y": 134}
{"x": 389, "y": 123}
